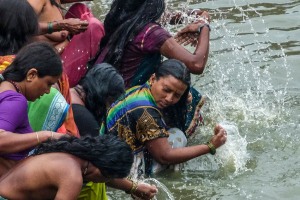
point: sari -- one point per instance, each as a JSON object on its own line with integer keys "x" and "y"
{"x": 68, "y": 125}
{"x": 82, "y": 47}
{"x": 52, "y": 110}
{"x": 93, "y": 191}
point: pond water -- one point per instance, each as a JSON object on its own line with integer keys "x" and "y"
{"x": 252, "y": 84}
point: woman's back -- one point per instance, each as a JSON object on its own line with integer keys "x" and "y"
{"x": 41, "y": 176}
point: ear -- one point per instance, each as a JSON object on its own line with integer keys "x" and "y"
{"x": 152, "y": 79}
{"x": 31, "y": 74}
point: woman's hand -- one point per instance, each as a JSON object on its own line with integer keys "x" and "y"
{"x": 189, "y": 35}
{"x": 144, "y": 191}
{"x": 220, "y": 136}
{"x": 72, "y": 25}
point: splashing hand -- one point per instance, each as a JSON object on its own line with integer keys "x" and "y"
{"x": 145, "y": 191}
{"x": 220, "y": 136}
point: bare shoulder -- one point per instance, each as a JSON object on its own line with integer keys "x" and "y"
{"x": 38, "y": 5}
{"x": 40, "y": 173}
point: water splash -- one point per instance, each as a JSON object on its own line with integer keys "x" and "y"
{"x": 233, "y": 154}
{"x": 163, "y": 192}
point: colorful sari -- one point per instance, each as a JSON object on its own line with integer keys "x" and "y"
{"x": 52, "y": 110}
{"x": 5, "y": 61}
{"x": 140, "y": 59}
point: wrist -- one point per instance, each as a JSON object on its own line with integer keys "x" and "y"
{"x": 203, "y": 25}
{"x": 134, "y": 186}
{"x": 49, "y": 27}
{"x": 212, "y": 148}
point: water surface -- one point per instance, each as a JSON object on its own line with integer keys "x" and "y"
{"x": 252, "y": 83}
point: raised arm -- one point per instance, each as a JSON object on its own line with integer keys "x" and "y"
{"x": 194, "y": 61}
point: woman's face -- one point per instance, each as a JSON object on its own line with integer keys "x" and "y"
{"x": 38, "y": 86}
{"x": 166, "y": 90}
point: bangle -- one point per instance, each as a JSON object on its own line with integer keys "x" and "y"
{"x": 51, "y": 135}
{"x": 38, "y": 138}
{"x": 212, "y": 148}
{"x": 50, "y": 27}
{"x": 202, "y": 25}
{"x": 133, "y": 187}
{"x": 59, "y": 27}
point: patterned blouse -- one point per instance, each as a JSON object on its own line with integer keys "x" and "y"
{"x": 136, "y": 118}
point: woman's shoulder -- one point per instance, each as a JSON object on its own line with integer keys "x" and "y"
{"x": 11, "y": 95}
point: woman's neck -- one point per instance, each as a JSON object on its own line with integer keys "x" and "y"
{"x": 78, "y": 95}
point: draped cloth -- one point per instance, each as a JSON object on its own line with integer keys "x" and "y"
{"x": 52, "y": 110}
{"x": 68, "y": 124}
{"x": 5, "y": 61}
{"x": 83, "y": 46}
{"x": 93, "y": 191}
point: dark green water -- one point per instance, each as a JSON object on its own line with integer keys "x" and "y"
{"x": 252, "y": 82}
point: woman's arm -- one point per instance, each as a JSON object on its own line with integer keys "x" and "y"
{"x": 141, "y": 190}
{"x": 14, "y": 142}
{"x": 163, "y": 153}
{"x": 194, "y": 61}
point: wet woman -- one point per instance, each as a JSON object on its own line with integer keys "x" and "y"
{"x": 137, "y": 118}
{"x": 135, "y": 42}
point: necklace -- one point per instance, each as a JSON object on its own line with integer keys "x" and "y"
{"x": 15, "y": 86}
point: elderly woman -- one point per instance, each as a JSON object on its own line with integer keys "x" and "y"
{"x": 32, "y": 73}
{"x": 138, "y": 119}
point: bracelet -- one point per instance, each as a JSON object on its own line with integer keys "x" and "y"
{"x": 50, "y": 28}
{"x": 202, "y": 25}
{"x": 212, "y": 148}
{"x": 38, "y": 138}
{"x": 51, "y": 135}
{"x": 59, "y": 27}
{"x": 133, "y": 187}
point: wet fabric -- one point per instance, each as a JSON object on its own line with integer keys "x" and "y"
{"x": 52, "y": 110}
{"x": 136, "y": 119}
{"x": 83, "y": 46}
{"x": 85, "y": 121}
{"x": 14, "y": 118}
{"x": 93, "y": 191}
{"x": 194, "y": 116}
{"x": 142, "y": 55}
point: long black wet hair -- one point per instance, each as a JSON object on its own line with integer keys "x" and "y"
{"x": 175, "y": 115}
{"x": 123, "y": 22}
{"x": 108, "y": 153}
{"x": 17, "y": 25}
{"x": 101, "y": 83}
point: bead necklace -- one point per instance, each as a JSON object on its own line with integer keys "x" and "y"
{"x": 15, "y": 85}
